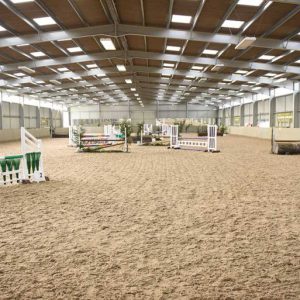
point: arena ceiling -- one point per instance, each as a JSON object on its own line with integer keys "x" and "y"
{"x": 148, "y": 51}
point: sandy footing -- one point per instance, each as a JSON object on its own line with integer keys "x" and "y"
{"x": 154, "y": 224}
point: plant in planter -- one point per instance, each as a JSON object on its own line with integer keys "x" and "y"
{"x": 180, "y": 126}
{"x": 222, "y": 129}
{"x": 202, "y": 130}
{"x": 140, "y": 127}
{"x": 187, "y": 127}
{"x": 126, "y": 125}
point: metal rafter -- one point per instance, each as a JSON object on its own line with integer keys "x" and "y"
{"x": 124, "y": 29}
{"x": 155, "y": 56}
{"x": 140, "y": 69}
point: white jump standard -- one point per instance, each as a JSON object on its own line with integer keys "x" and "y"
{"x": 207, "y": 144}
{"x": 24, "y": 167}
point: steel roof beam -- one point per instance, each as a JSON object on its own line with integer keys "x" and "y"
{"x": 143, "y": 69}
{"x": 123, "y": 30}
{"x": 155, "y": 56}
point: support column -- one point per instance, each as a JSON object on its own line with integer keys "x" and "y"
{"x": 50, "y": 118}
{"x": 69, "y": 113}
{"x": 223, "y": 117}
{"x": 231, "y": 116}
{"x": 272, "y": 111}
{"x": 255, "y": 113}
{"x": 186, "y": 110}
{"x": 99, "y": 109}
{"x": 242, "y": 115}
{"x": 1, "y": 111}
{"x": 129, "y": 109}
{"x": 296, "y": 110}
{"x": 38, "y": 118}
{"x": 21, "y": 113}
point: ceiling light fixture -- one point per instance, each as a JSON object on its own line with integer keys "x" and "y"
{"x": 173, "y": 48}
{"x": 245, "y": 43}
{"x": 198, "y": 68}
{"x": 19, "y": 74}
{"x": 26, "y": 69}
{"x": 168, "y": 65}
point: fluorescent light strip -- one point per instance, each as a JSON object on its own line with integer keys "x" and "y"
{"x": 245, "y": 43}
{"x": 173, "y": 48}
{"x": 26, "y": 69}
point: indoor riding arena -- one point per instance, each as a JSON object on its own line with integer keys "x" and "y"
{"x": 150, "y": 149}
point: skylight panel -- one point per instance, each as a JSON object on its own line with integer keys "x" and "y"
{"x": 74, "y": 49}
{"x": 133, "y": 89}
{"x": 232, "y": 24}
{"x": 128, "y": 81}
{"x": 266, "y": 57}
{"x": 181, "y": 19}
{"x": 270, "y": 74}
{"x": 91, "y": 66}
{"x": 173, "y": 48}
{"x": 121, "y": 68}
{"x": 63, "y": 69}
{"x": 2, "y": 28}
{"x": 241, "y": 72}
{"x": 210, "y": 52}
{"x": 108, "y": 44}
{"x": 38, "y": 54}
{"x": 19, "y": 74}
{"x": 20, "y": 1}
{"x": 44, "y": 21}
{"x": 250, "y": 2}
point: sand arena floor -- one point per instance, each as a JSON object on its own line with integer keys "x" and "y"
{"x": 154, "y": 224}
